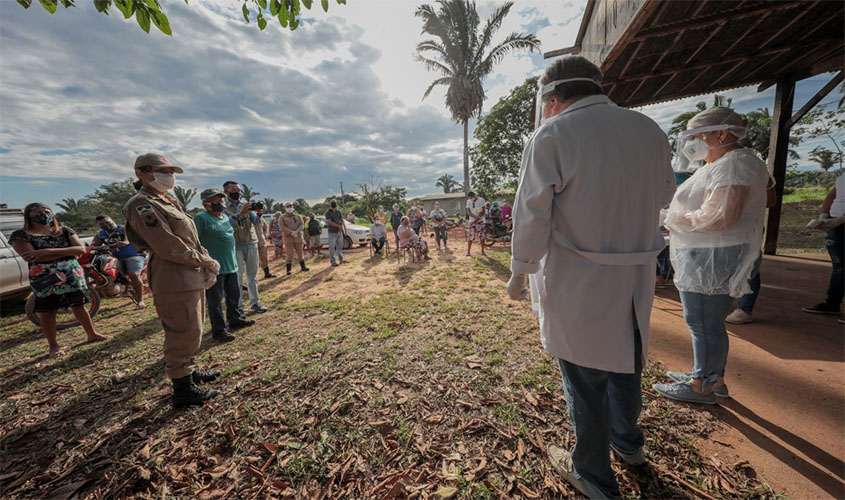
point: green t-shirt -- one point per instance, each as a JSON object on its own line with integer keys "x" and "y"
{"x": 218, "y": 237}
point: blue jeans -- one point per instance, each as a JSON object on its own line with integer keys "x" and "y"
{"x": 834, "y": 240}
{"x": 335, "y": 247}
{"x": 747, "y": 301}
{"x": 226, "y": 289}
{"x": 248, "y": 264}
{"x": 378, "y": 243}
{"x": 705, "y": 316}
{"x": 603, "y": 407}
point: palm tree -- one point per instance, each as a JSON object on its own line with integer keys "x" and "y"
{"x": 69, "y": 206}
{"x": 447, "y": 182}
{"x": 248, "y": 193}
{"x": 184, "y": 196}
{"x": 269, "y": 205}
{"x": 461, "y": 56}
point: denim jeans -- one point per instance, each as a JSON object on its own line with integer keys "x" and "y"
{"x": 226, "y": 289}
{"x": 747, "y": 301}
{"x": 335, "y": 246}
{"x": 248, "y": 263}
{"x": 378, "y": 243}
{"x": 603, "y": 407}
{"x": 834, "y": 240}
{"x": 664, "y": 265}
{"x": 705, "y": 316}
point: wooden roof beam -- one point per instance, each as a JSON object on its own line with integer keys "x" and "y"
{"x": 705, "y": 21}
{"x": 705, "y": 42}
{"x": 744, "y": 34}
{"x": 826, "y": 50}
{"x": 786, "y": 26}
{"x": 836, "y": 80}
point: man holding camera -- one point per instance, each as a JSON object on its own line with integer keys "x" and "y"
{"x": 244, "y": 221}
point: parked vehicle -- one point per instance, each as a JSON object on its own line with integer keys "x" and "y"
{"x": 14, "y": 271}
{"x": 103, "y": 274}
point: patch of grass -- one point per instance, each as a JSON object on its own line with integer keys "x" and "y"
{"x": 806, "y": 193}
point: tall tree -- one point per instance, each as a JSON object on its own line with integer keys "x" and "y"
{"x": 288, "y": 12}
{"x": 447, "y": 182}
{"x": 184, "y": 196}
{"x": 461, "y": 53}
{"x": 760, "y": 131}
{"x": 827, "y": 125}
{"x": 247, "y": 193}
{"x": 269, "y": 204}
{"x": 301, "y": 206}
{"x": 501, "y": 136}
{"x": 825, "y": 157}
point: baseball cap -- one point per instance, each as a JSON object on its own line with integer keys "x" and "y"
{"x": 155, "y": 160}
{"x": 211, "y": 192}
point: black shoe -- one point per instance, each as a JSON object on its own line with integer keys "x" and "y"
{"x": 288, "y": 266}
{"x": 258, "y": 308}
{"x": 821, "y": 308}
{"x": 224, "y": 336}
{"x": 268, "y": 274}
{"x": 245, "y": 288}
{"x": 241, "y": 324}
{"x": 202, "y": 377}
{"x": 187, "y": 393}
{"x": 302, "y": 266}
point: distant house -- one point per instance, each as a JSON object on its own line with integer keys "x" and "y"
{"x": 452, "y": 203}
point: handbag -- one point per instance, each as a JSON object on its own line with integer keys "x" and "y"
{"x": 45, "y": 282}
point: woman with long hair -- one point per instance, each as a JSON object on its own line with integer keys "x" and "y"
{"x": 56, "y": 278}
{"x": 409, "y": 239}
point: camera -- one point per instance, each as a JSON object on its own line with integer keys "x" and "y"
{"x": 258, "y": 205}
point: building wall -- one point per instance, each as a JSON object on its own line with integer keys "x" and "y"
{"x": 452, "y": 206}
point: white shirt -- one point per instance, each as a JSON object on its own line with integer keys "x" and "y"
{"x": 473, "y": 206}
{"x": 378, "y": 230}
{"x": 838, "y": 207}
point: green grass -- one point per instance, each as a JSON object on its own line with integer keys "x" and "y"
{"x": 806, "y": 193}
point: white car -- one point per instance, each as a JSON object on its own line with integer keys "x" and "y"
{"x": 14, "y": 271}
{"x": 355, "y": 234}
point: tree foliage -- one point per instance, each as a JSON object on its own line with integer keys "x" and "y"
{"x": 247, "y": 193}
{"x": 287, "y": 12}
{"x": 502, "y": 135}
{"x": 447, "y": 182}
{"x": 107, "y": 199}
{"x": 184, "y": 196}
{"x": 301, "y": 206}
{"x": 827, "y": 125}
{"x": 460, "y": 51}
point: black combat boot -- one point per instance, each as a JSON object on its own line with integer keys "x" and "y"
{"x": 202, "y": 377}
{"x": 268, "y": 274}
{"x": 187, "y": 393}
{"x": 288, "y": 268}
{"x": 224, "y": 336}
{"x": 302, "y": 265}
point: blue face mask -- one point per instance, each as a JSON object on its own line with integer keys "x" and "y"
{"x": 44, "y": 219}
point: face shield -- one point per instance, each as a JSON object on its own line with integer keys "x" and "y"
{"x": 547, "y": 89}
{"x": 691, "y": 151}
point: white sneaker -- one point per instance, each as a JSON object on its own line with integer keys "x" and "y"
{"x": 739, "y": 317}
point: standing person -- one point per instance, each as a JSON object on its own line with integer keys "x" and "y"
{"x": 261, "y": 231}
{"x": 276, "y": 235}
{"x": 833, "y": 212}
{"x": 336, "y": 230}
{"x": 217, "y": 236}
{"x": 715, "y": 226}
{"x": 244, "y": 222}
{"x": 131, "y": 261}
{"x": 378, "y": 232}
{"x": 438, "y": 222}
{"x": 592, "y": 285}
{"x": 416, "y": 219}
{"x": 475, "y": 221}
{"x": 180, "y": 270}
{"x": 55, "y": 276}
{"x": 506, "y": 212}
{"x": 315, "y": 231}
{"x": 381, "y": 215}
{"x": 395, "y": 221}
{"x": 292, "y": 226}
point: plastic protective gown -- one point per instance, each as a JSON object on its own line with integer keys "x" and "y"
{"x": 716, "y": 225}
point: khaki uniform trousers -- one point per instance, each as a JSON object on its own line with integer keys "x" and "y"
{"x": 262, "y": 254}
{"x": 292, "y": 244}
{"x": 182, "y": 316}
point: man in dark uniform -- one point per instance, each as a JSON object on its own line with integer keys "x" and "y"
{"x": 179, "y": 269}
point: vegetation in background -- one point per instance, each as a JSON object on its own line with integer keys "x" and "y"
{"x": 460, "y": 50}
{"x": 447, "y": 182}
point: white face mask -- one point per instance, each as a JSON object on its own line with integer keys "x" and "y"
{"x": 695, "y": 150}
{"x": 163, "y": 181}
{"x": 289, "y": 210}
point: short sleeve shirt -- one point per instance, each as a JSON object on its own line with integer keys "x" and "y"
{"x": 218, "y": 237}
{"x": 473, "y": 206}
{"x": 336, "y": 217}
{"x": 119, "y": 234}
{"x": 838, "y": 207}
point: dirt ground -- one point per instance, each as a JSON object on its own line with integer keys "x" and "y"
{"x": 386, "y": 380}
{"x": 785, "y": 372}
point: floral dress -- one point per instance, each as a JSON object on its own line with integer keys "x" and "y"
{"x": 276, "y": 236}
{"x": 71, "y": 290}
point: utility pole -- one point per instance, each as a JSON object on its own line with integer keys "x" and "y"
{"x": 341, "y": 195}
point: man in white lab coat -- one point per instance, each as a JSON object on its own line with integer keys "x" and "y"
{"x": 593, "y": 179}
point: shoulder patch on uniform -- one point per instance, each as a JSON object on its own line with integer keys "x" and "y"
{"x": 148, "y": 215}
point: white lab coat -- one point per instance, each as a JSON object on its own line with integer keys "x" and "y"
{"x": 591, "y": 186}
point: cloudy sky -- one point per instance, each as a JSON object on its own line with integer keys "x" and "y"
{"x": 291, "y": 113}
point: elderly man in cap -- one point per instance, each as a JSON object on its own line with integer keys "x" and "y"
{"x": 179, "y": 271}
{"x": 218, "y": 237}
{"x": 594, "y": 177}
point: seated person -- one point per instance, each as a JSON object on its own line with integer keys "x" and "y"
{"x": 409, "y": 239}
{"x": 131, "y": 260}
{"x": 378, "y": 231}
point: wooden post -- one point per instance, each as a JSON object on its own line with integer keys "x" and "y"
{"x": 778, "y": 152}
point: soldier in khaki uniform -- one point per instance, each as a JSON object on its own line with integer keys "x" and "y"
{"x": 179, "y": 270}
{"x": 292, "y": 226}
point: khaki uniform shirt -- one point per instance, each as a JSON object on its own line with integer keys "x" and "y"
{"x": 156, "y": 224}
{"x": 292, "y": 223}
